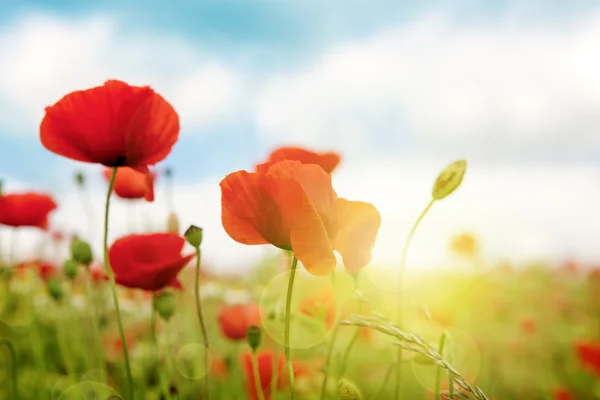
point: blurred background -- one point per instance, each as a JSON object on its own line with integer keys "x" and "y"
{"x": 400, "y": 89}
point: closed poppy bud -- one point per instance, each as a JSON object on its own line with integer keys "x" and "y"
{"x": 70, "y": 268}
{"x": 194, "y": 236}
{"x": 173, "y": 224}
{"x": 55, "y": 290}
{"x": 81, "y": 251}
{"x": 80, "y": 178}
{"x": 164, "y": 304}
{"x": 349, "y": 391}
{"x": 449, "y": 179}
{"x": 253, "y": 334}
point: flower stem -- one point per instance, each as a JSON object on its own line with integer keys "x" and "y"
{"x": 201, "y": 319}
{"x": 13, "y": 357}
{"x": 438, "y": 374}
{"x": 113, "y": 286}
{"x": 93, "y": 305}
{"x": 288, "y": 308}
{"x": 328, "y": 360}
{"x": 163, "y": 384}
{"x": 400, "y": 302}
{"x": 256, "y": 373}
{"x": 384, "y": 382}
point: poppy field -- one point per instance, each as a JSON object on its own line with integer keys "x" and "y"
{"x": 144, "y": 320}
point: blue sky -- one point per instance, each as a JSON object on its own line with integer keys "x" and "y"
{"x": 400, "y": 88}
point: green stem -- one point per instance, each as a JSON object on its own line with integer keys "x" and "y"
{"x": 168, "y": 355}
{"x": 163, "y": 384}
{"x": 385, "y": 381}
{"x": 256, "y": 373}
{"x": 347, "y": 353}
{"x": 328, "y": 360}
{"x": 13, "y": 359}
{"x": 288, "y": 308}
{"x": 93, "y": 305}
{"x": 275, "y": 372}
{"x": 438, "y": 374}
{"x": 450, "y": 374}
{"x": 201, "y": 319}
{"x": 400, "y": 281}
{"x": 113, "y": 286}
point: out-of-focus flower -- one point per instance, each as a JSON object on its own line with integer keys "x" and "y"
{"x": 173, "y": 224}
{"x": 562, "y": 394}
{"x": 293, "y": 206}
{"x": 465, "y": 245}
{"x": 321, "y": 307}
{"x": 44, "y": 269}
{"x": 589, "y": 356}
{"x": 116, "y": 125}
{"x": 328, "y": 161}
{"x": 528, "y": 326}
{"x": 236, "y": 319}
{"x": 148, "y": 261}
{"x": 132, "y": 184}
{"x": 26, "y": 209}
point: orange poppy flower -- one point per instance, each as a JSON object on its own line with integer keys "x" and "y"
{"x": 328, "y": 161}
{"x": 115, "y": 125}
{"x": 293, "y": 206}
{"x": 26, "y": 209}
{"x": 562, "y": 394}
{"x": 132, "y": 184}
{"x": 322, "y": 308}
{"x": 234, "y": 320}
{"x": 589, "y": 356}
{"x": 148, "y": 261}
{"x": 529, "y": 326}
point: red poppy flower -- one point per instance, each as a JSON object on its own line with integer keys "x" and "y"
{"x": 115, "y": 125}
{"x": 148, "y": 261}
{"x": 528, "y": 326}
{"x": 562, "y": 394}
{"x": 26, "y": 209}
{"x": 293, "y": 206}
{"x": 234, "y": 320}
{"x": 132, "y": 184}
{"x": 321, "y": 307}
{"x": 327, "y": 161}
{"x": 44, "y": 269}
{"x": 265, "y": 371}
{"x": 589, "y": 356}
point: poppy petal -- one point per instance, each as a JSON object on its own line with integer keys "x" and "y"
{"x": 327, "y": 161}
{"x": 357, "y": 225}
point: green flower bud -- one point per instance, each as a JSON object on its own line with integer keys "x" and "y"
{"x": 70, "y": 269}
{"x": 449, "y": 179}
{"x": 253, "y": 335}
{"x": 164, "y": 304}
{"x": 349, "y": 391}
{"x": 80, "y": 178}
{"x": 81, "y": 251}
{"x": 55, "y": 290}
{"x": 194, "y": 236}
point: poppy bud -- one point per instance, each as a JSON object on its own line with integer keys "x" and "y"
{"x": 449, "y": 179}
{"x": 70, "y": 268}
{"x": 173, "y": 224}
{"x": 253, "y": 335}
{"x": 164, "y": 304}
{"x": 55, "y": 290}
{"x": 349, "y": 391}
{"x": 194, "y": 236}
{"x": 81, "y": 251}
{"x": 80, "y": 178}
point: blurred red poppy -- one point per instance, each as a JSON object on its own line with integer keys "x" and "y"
{"x": 562, "y": 394}
{"x": 321, "y": 307}
{"x": 115, "y": 125}
{"x": 132, "y": 184}
{"x": 589, "y": 356}
{"x": 328, "y": 161}
{"x": 26, "y": 209}
{"x": 235, "y": 319}
{"x": 265, "y": 371}
{"x": 148, "y": 261}
{"x": 45, "y": 269}
{"x": 293, "y": 206}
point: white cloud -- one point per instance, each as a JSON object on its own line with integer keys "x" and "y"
{"x": 489, "y": 87}
{"x": 43, "y": 57}
{"x": 518, "y": 213}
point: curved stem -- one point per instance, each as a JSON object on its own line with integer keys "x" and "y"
{"x": 201, "y": 319}
{"x": 438, "y": 373}
{"x": 13, "y": 356}
{"x": 328, "y": 361}
{"x": 288, "y": 308}
{"x": 113, "y": 286}
{"x": 400, "y": 281}
{"x": 256, "y": 373}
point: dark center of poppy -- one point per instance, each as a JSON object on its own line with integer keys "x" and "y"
{"x": 121, "y": 161}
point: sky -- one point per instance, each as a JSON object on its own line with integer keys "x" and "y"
{"x": 400, "y": 89}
